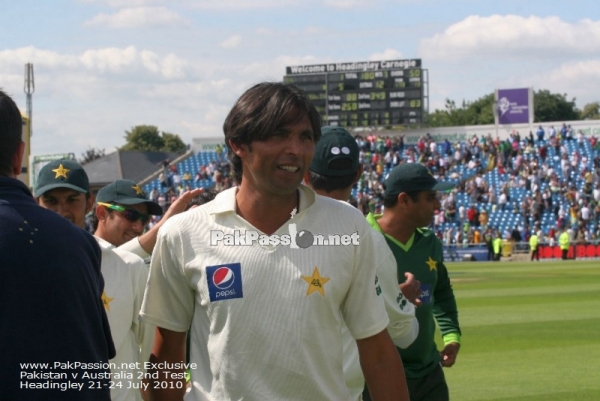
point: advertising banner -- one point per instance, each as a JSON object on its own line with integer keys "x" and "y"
{"x": 513, "y": 106}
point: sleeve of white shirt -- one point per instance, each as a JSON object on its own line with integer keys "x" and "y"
{"x": 134, "y": 247}
{"x": 363, "y": 309}
{"x": 403, "y": 326}
{"x": 169, "y": 299}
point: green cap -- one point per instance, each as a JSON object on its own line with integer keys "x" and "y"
{"x": 61, "y": 174}
{"x": 127, "y": 192}
{"x": 412, "y": 177}
{"x": 336, "y": 153}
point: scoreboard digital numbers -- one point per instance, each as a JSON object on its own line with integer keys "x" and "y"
{"x": 363, "y": 94}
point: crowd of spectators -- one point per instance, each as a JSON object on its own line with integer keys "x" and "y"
{"x": 547, "y": 181}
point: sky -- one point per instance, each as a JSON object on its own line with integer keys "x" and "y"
{"x": 102, "y": 67}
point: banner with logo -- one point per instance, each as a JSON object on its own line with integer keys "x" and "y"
{"x": 514, "y": 106}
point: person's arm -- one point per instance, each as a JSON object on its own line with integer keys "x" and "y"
{"x": 382, "y": 367}
{"x": 148, "y": 239}
{"x": 169, "y": 305}
{"x": 169, "y": 346}
{"x": 446, "y": 315}
{"x": 449, "y": 354}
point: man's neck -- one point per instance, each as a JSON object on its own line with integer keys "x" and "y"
{"x": 396, "y": 227}
{"x": 338, "y": 194}
{"x": 100, "y": 233}
{"x": 266, "y": 212}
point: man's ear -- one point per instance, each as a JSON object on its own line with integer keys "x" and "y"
{"x": 307, "y": 179}
{"x": 403, "y": 198}
{"x": 101, "y": 213}
{"x": 17, "y": 159}
{"x": 239, "y": 149}
{"x": 358, "y": 174}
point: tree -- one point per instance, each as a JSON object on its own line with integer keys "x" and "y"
{"x": 591, "y": 111}
{"x": 470, "y": 113}
{"x": 553, "y": 107}
{"x": 173, "y": 143}
{"x": 90, "y": 155}
{"x": 148, "y": 138}
{"x": 547, "y": 107}
{"x": 481, "y": 111}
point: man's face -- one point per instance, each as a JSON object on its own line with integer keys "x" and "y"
{"x": 70, "y": 204}
{"x": 115, "y": 228}
{"x": 424, "y": 208}
{"x": 278, "y": 164}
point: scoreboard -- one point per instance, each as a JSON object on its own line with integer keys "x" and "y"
{"x": 363, "y": 94}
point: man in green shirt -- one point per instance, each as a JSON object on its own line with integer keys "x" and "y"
{"x": 564, "y": 240}
{"x": 533, "y": 244}
{"x": 410, "y": 200}
{"x": 497, "y": 244}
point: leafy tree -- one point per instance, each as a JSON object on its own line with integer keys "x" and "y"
{"x": 470, "y": 113}
{"x": 591, "y": 111}
{"x": 90, "y": 155}
{"x": 553, "y": 107}
{"x": 148, "y": 138}
{"x": 547, "y": 107}
{"x": 173, "y": 143}
{"x": 482, "y": 110}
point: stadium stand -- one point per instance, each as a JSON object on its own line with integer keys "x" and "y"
{"x": 520, "y": 184}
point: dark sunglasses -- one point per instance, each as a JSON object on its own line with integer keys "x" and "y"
{"x": 129, "y": 214}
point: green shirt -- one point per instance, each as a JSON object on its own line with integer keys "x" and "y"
{"x": 422, "y": 256}
{"x": 533, "y": 242}
{"x": 564, "y": 240}
{"x": 497, "y": 245}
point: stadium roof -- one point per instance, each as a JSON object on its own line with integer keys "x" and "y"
{"x": 129, "y": 165}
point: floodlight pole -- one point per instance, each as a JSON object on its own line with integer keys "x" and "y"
{"x": 29, "y": 88}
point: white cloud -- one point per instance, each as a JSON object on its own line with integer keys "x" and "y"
{"x": 150, "y": 61}
{"x": 237, "y": 5}
{"x": 574, "y": 79}
{"x": 387, "y": 54}
{"x": 513, "y": 36}
{"x": 347, "y": 4}
{"x": 131, "y": 61}
{"x": 231, "y": 42}
{"x": 138, "y": 17}
{"x": 314, "y": 30}
{"x": 135, "y": 3}
{"x": 265, "y": 31}
{"x": 39, "y": 57}
{"x": 173, "y": 67}
{"x": 298, "y": 60}
{"x": 109, "y": 59}
{"x": 125, "y": 3}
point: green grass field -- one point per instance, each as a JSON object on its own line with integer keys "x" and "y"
{"x": 531, "y": 331}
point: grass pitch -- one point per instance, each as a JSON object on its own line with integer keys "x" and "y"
{"x": 530, "y": 331}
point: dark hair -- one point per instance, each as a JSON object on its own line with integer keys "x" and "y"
{"x": 11, "y": 129}
{"x": 206, "y": 196}
{"x": 328, "y": 184}
{"x": 390, "y": 201}
{"x": 94, "y": 219}
{"x": 262, "y": 110}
